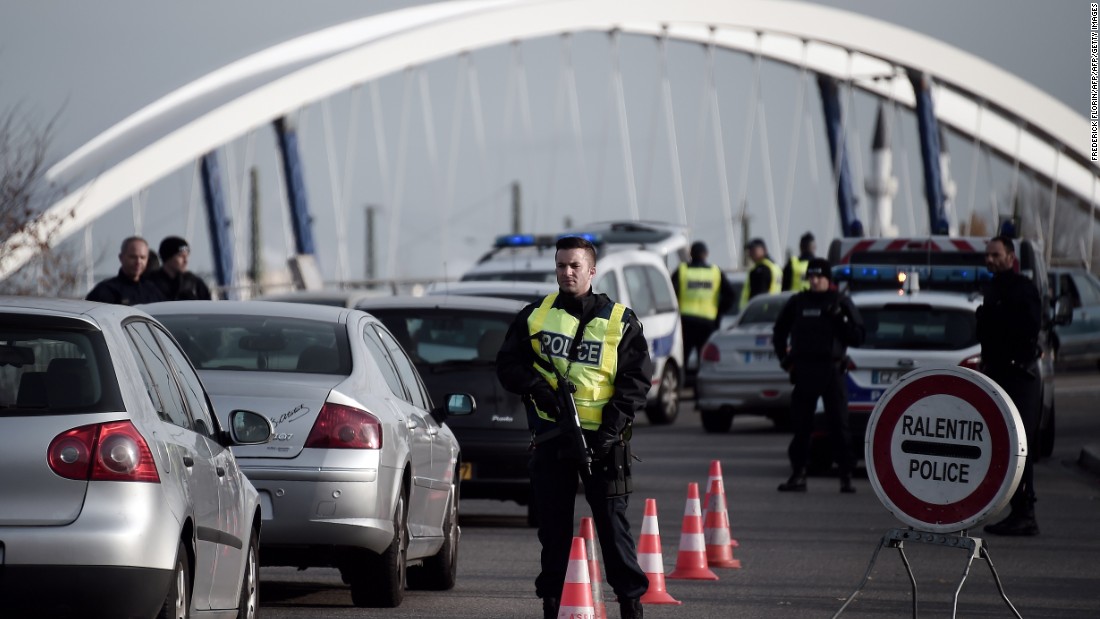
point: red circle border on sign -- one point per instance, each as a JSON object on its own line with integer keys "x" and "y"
{"x": 986, "y": 492}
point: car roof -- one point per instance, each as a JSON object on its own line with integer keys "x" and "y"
{"x": 439, "y": 301}
{"x": 275, "y": 309}
{"x": 345, "y": 298}
{"x": 487, "y": 287}
{"x": 514, "y": 261}
{"x": 920, "y": 297}
{"x": 79, "y": 308}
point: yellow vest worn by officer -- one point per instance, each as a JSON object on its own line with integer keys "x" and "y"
{"x": 799, "y": 281}
{"x": 777, "y": 280}
{"x": 593, "y": 372}
{"x": 698, "y": 290}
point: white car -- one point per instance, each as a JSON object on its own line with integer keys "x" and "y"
{"x": 362, "y": 474}
{"x": 119, "y": 495}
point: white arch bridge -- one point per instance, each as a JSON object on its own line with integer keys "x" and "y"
{"x": 1015, "y": 134}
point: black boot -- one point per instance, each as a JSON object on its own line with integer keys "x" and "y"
{"x": 550, "y": 608}
{"x": 1020, "y": 523}
{"x": 630, "y": 608}
{"x": 846, "y": 486}
{"x": 795, "y": 483}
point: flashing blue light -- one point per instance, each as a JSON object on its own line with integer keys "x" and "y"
{"x": 515, "y": 240}
{"x": 588, "y": 236}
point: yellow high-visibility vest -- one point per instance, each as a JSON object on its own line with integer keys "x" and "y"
{"x": 698, "y": 290}
{"x": 799, "y": 281}
{"x": 594, "y": 369}
{"x": 773, "y": 288}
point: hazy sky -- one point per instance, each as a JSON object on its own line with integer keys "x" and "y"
{"x": 94, "y": 63}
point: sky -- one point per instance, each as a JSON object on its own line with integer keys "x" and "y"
{"x": 89, "y": 65}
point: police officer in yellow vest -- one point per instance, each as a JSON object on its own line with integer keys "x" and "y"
{"x": 794, "y": 274}
{"x": 765, "y": 276}
{"x": 704, "y": 294}
{"x": 600, "y": 347}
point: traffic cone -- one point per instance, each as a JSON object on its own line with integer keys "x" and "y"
{"x": 716, "y": 474}
{"x": 588, "y": 532}
{"x": 691, "y": 562}
{"x": 576, "y": 595}
{"x": 649, "y": 557}
{"x": 716, "y": 523}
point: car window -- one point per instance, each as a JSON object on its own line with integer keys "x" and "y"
{"x": 53, "y": 365}
{"x": 432, "y": 336}
{"x": 662, "y": 289}
{"x": 189, "y": 384}
{"x": 405, "y": 369}
{"x": 918, "y": 327}
{"x": 608, "y": 284}
{"x": 164, "y": 394}
{"x": 378, "y": 352}
{"x": 762, "y": 310}
{"x": 261, "y": 343}
{"x": 641, "y": 297}
{"x": 1087, "y": 289}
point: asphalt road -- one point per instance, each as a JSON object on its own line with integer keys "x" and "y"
{"x": 802, "y": 555}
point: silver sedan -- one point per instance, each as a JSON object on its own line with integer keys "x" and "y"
{"x": 739, "y": 373}
{"x": 119, "y": 496}
{"x": 362, "y": 474}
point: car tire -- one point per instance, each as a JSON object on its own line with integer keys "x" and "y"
{"x": 380, "y": 582}
{"x": 439, "y": 572}
{"x": 666, "y": 406}
{"x": 178, "y": 603}
{"x": 249, "y": 605}
{"x": 717, "y": 421}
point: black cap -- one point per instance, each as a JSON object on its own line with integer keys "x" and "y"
{"x": 698, "y": 248}
{"x": 170, "y": 246}
{"x": 757, "y": 242}
{"x": 819, "y": 266}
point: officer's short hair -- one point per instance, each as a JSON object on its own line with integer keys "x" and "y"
{"x": 757, "y": 242}
{"x": 1005, "y": 240}
{"x": 577, "y": 242}
{"x": 805, "y": 241}
{"x": 131, "y": 239}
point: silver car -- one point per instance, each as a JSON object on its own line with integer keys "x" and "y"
{"x": 739, "y": 373}
{"x": 362, "y": 474}
{"x": 119, "y": 496}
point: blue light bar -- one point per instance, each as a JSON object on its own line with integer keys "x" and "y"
{"x": 515, "y": 240}
{"x": 588, "y": 236}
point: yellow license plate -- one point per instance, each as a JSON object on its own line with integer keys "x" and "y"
{"x": 466, "y": 470}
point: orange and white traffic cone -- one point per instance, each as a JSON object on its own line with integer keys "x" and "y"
{"x": 716, "y": 474}
{"x": 649, "y": 557}
{"x": 576, "y": 595}
{"x": 716, "y": 523}
{"x": 691, "y": 561}
{"x": 588, "y": 532}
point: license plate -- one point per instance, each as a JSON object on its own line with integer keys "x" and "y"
{"x": 466, "y": 471}
{"x": 759, "y": 356}
{"x": 267, "y": 510}
{"x": 885, "y": 377}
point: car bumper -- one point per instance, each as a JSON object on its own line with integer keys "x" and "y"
{"x": 494, "y": 465}
{"x": 82, "y": 591}
{"x": 757, "y": 394}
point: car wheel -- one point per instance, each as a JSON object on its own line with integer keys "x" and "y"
{"x": 382, "y": 583}
{"x": 438, "y": 573}
{"x": 666, "y": 406}
{"x": 717, "y": 421}
{"x": 249, "y": 605}
{"x": 177, "y": 604}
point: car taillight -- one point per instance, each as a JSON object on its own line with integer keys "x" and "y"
{"x": 710, "y": 353}
{"x": 971, "y": 362}
{"x": 851, "y": 365}
{"x": 344, "y": 427}
{"x": 112, "y": 451}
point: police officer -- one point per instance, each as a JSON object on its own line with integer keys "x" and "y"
{"x": 130, "y": 286}
{"x": 764, "y": 277}
{"x": 1009, "y": 320}
{"x": 794, "y": 274}
{"x": 704, "y": 294}
{"x": 820, "y": 324}
{"x": 173, "y": 279}
{"x": 600, "y": 347}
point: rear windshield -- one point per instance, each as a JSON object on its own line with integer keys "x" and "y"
{"x": 433, "y": 337}
{"x": 918, "y": 327}
{"x": 511, "y": 276}
{"x": 262, "y": 343}
{"x": 55, "y": 369}
{"x": 762, "y": 311}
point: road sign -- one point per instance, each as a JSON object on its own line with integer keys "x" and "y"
{"x": 945, "y": 448}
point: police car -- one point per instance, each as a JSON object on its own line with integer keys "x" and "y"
{"x": 637, "y": 278}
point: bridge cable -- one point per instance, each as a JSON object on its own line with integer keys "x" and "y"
{"x": 904, "y": 155}
{"x": 239, "y": 207}
{"x": 478, "y": 113}
{"x": 399, "y": 176}
{"x": 701, "y": 136}
{"x": 857, "y": 139}
{"x": 1015, "y": 178}
{"x": 766, "y": 158}
{"x": 191, "y": 210}
{"x": 575, "y": 116}
{"x": 720, "y": 154}
{"x": 338, "y": 195}
{"x": 624, "y": 127}
{"x": 381, "y": 148}
{"x": 559, "y": 97}
{"x": 651, "y": 131}
{"x": 1049, "y": 241}
{"x": 448, "y": 198}
{"x": 974, "y": 164}
{"x": 796, "y": 141}
{"x": 750, "y": 123}
{"x": 670, "y": 124}
{"x": 284, "y": 210}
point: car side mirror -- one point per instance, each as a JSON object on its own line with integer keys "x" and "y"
{"x": 460, "y": 404}
{"x": 1063, "y": 310}
{"x": 249, "y": 428}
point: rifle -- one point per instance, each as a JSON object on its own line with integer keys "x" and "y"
{"x": 569, "y": 420}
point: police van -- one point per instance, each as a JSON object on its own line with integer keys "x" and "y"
{"x": 632, "y": 268}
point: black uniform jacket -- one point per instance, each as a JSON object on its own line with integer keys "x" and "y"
{"x": 516, "y": 362}
{"x": 820, "y": 325}
{"x": 184, "y": 287}
{"x": 121, "y": 290}
{"x": 1009, "y": 320}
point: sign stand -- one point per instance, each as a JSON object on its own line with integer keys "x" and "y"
{"x": 896, "y": 538}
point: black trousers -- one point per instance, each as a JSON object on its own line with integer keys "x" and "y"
{"x": 695, "y": 332}
{"x": 554, "y": 490}
{"x": 1025, "y": 390}
{"x": 825, "y": 380}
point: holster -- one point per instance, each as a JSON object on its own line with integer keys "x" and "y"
{"x": 614, "y": 470}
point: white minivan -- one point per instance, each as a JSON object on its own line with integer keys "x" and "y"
{"x": 637, "y": 278}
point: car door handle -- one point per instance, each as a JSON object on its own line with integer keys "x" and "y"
{"x": 188, "y": 461}
{"x": 220, "y": 471}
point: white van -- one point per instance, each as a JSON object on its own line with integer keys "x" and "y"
{"x": 636, "y": 278}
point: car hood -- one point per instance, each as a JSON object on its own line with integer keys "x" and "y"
{"x": 291, "y": 401}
